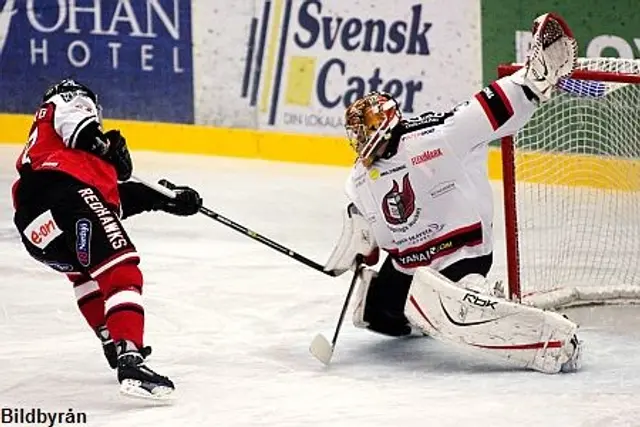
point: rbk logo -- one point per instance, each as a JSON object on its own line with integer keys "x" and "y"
{"x": 398, "y": 205}
{"x": 479, "y": 301}
{"x": 6, "y": 14}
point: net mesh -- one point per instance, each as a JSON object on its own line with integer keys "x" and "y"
{"x": 577, "y": 174}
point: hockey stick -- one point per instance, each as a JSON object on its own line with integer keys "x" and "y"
{"x": 240, "y": 228}
{"x": 320, "y": 347}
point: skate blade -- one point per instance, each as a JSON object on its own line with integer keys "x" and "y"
{"x": 135, "y": 388}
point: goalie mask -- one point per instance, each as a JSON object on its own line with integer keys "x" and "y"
{"x": 369, "y": 122}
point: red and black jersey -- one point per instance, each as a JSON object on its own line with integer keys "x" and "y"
{"x": 51, "y": 146}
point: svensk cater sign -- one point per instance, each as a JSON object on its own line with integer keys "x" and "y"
{"x": 307, "y": 60}
{"x": 136, "y": 54}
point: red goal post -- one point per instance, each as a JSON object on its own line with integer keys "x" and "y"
{"x": 571, "y": 182}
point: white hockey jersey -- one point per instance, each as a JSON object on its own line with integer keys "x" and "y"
{"x": 431, "y": 203}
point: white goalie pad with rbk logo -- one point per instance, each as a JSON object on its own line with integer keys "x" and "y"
{"x": 524, "y": 336}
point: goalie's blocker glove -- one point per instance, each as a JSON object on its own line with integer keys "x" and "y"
{"x": 187, "y": 201}
{"x": 356, "y": 243}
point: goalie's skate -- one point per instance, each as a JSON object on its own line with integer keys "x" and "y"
{"x": 552, "y": 56}
{"x": 575, "y": 360}
{"x": 138, "y": 380}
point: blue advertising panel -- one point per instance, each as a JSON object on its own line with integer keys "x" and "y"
{"x": 135, "y": 54}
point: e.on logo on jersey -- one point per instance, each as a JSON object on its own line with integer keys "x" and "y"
{"x": 426, "y": 155}
{"x": 42, "y": 230}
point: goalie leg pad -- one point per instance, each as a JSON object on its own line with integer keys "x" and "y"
{"x": 366, "y": 276}
{"x": 481, "y": 285}
{"x": 524, "y": 336}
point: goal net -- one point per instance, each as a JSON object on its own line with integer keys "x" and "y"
{"x": 572, "y": 190}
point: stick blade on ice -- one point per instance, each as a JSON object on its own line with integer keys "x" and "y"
{"x": 321, "y": 349}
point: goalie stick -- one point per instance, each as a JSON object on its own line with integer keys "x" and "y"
{"x": 320, "y": 347}
{"x": 240, "y": 228}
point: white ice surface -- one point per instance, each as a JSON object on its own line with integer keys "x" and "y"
{"x": 230, "y": 322}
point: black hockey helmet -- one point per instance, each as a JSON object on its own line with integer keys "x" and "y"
{"x": 68, "y": 86}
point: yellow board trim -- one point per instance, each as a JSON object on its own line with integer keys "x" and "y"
{"x": 571, "y": 170}
{"x": 591, "y": 171}
{"x": 579, "y": 170}
{"x": 192, "y": 139}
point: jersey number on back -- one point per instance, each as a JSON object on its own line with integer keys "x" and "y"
{"x": 33, "y": 137}
{"x": 32, "y": 140}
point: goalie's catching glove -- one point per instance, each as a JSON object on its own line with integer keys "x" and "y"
{"x": 552, "y": 56}
{"x": 187, "y": 201}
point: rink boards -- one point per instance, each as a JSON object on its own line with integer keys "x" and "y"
{"x": 542, "y": 168}
{"x": 195, "y": 139}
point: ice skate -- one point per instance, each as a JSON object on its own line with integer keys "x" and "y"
{"x": 108, "y": 346}
{"x": 575, "y": 360}
{"x": 138, "y": 380}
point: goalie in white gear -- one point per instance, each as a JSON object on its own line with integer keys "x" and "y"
{"x": 420, "y": 189}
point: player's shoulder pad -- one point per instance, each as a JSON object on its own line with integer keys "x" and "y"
{"x": 422, "y": 125}
{"x": 70, "y": 101}
{"x": 426, "y": 120}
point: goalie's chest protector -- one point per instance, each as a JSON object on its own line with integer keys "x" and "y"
{"x": 426, "y": 205}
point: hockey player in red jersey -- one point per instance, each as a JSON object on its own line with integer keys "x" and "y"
{"x": 420, "y": 192}
{"x": 70, "y": 198}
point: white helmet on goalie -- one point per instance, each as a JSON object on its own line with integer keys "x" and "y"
{"x": 369, "y": 122}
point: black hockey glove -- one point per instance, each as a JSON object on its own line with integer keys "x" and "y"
{"x": 187, "y": 201}
{"x": 118, "y": 155}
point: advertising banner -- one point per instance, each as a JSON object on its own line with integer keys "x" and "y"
{"x": 609, "y": 28}
{"x": 306, "y": 60}
{"x": 135, "y": 54}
